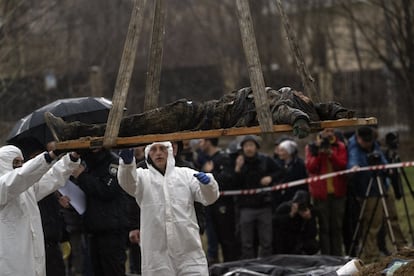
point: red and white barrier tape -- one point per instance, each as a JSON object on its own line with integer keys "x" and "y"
{"x": 315, "y": 178}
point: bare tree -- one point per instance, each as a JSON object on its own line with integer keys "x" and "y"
{"x": 385, "y": 34}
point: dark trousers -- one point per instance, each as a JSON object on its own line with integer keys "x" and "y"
{"x": 252, "y": 220}
{"x": 331, "y": 215}
{"x": 135, "y": 258}
{"x": 221, "y": 229}
{"x": 108, "y": 253}
{"x": 54, "y": 260}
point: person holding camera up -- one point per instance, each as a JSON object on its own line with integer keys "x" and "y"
{"x": 364, "y": 150}
{"x": 295, "y": 226}
{"x": 328, "y": 154}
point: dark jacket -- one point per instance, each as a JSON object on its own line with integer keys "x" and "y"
{"x": 357, "y": 156}
{"x": 294, "y": 235}
{"x": 292, "y": 171}
{"x": 252, "y": 171}
{"x": 106, "y": 201}
{"x": 52, "y": 220}
{"x": 223, "y": 172}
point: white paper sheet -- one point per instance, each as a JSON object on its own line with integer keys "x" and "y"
{"x": 76, "y": 195}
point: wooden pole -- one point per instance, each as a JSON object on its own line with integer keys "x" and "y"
{"x": 307, "y": 80}
{"x": 155, "y": 58}
{"x": 124, "y": 74}
{"x": 253, "y": 65}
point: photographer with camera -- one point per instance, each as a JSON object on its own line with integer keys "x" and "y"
{"x": 370, "y": 186}
{"x": 327, "y": 154}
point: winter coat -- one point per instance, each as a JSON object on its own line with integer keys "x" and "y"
{"x": 170, "y": 240}
{"x": 22, "y": 250}
{"x": 294, "y": 235}
{"x": 318, "y": 164}
{"x": 106, "y": 201}
{"x": 288, "y": 172}
{"x": 252, "y": 171}
{"x": 357, "y": 156}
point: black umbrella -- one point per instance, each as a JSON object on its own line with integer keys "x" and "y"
{"x": 32, "y": 128}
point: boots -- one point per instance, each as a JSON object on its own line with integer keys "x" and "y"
{"x": 61, "y": 130}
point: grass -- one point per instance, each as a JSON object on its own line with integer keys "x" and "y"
{"x": 402, "y": 216}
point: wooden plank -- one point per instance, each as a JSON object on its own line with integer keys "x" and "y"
{"x": 124, "y": 74}
{"x": 254, "y": 66}
{"x": 124, "y": 142}
{"x": 155, "y": 57}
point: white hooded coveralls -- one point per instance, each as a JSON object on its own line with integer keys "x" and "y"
{"x": 22, "y": 251}
{"x": 170, "y": 240}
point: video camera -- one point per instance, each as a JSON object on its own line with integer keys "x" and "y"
{"x": 392, "y": 140}
{"x": 374, "y": 158}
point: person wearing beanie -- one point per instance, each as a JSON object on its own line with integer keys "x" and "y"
{"x": 292, "y": 168}
{"x": 289, "y": 146}
{"x": 277, "y": 143}
{"x": 254, "y": 170}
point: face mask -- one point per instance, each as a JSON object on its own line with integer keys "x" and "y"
{"x": 17, "y": 162}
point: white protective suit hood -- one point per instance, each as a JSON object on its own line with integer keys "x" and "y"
{"x": 22, "y": 248}
{"x": 7, "y": 155}
{"x": 170, "y": 158}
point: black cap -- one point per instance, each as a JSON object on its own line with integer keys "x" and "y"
{"x": 252, "y": 138}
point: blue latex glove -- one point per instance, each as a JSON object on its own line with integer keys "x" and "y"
{"x": 202, "y": 177}
{"x": 127, "y": 155}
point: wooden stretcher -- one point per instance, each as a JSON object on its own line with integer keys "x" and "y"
{"x": 125, "y": 142}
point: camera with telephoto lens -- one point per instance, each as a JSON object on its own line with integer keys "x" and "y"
{"x": 325, "y": 143}
{"x": 374, "y": 158}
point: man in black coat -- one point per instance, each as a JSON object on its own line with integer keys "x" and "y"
{"x": 53, "y": 230}
{"x": 105, "y": 217}
{"x": 255, "y": 170}
{"x": 221, "y": 221}
{"x": 296, "y": 228}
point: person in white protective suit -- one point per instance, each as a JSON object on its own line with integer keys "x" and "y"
{"x": 22, "y": 250}
{"x": 170, "y": 240}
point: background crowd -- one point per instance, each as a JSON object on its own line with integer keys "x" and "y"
{"x": 321, "y": 217}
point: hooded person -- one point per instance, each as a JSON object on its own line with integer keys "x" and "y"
{"x": 170, "y": 240}
{"x": 22, "y": 248}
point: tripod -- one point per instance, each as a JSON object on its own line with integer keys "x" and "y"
{"x": 376, "y": 177}
{"x": 393, "y": 157}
